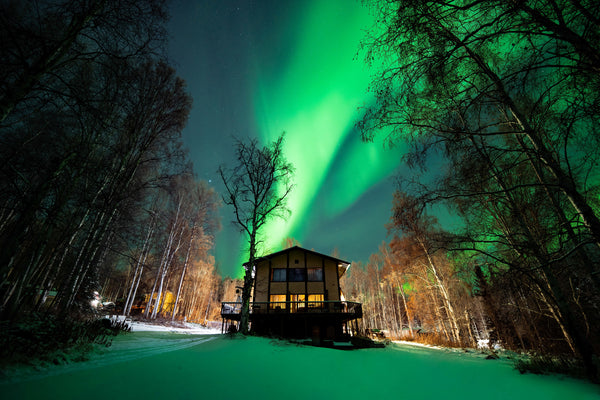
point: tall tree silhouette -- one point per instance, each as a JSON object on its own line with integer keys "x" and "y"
{"x": 257, "y": 188}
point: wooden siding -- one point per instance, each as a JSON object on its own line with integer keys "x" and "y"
{"x": 332, "y": 287}
{"x": 261, "y": 282}
{"x": 296, "y": 258}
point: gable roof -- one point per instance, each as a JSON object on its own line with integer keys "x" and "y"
{"x": 343, "y": 265}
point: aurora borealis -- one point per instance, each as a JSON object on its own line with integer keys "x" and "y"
{"x": 261, "y": 68}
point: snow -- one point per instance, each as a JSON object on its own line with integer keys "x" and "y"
{"x": 409, "y": 343}
{"x": 186, "y": 328}
{"x": 155, "y": 363}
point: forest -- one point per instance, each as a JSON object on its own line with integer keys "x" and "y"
{"x": 504, "y": 97}
{"x": 497, "y": 101}
{"x": 98, "y": 198}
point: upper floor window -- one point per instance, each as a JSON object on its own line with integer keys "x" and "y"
{"x": 297, "y": 274}
{"x": 315, "y": 274}
{"x": 278, "y": 275}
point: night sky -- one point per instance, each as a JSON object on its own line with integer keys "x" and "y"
{"x": 258, "y": 68}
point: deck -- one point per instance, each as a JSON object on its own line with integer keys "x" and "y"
{"x": 327, "y": 320}
{"x": 346, "y": 309}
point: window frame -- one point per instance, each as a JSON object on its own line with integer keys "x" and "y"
{"x": 296, "y": 275}
{"x": 316, "y": 300}
{"x": 314, "y": 270}
{"x": 278, "y": 300}
{"x": 275, "y": 272}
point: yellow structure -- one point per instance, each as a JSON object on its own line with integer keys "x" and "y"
{"x": 167, "y": 306}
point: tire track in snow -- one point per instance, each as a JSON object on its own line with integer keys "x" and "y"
{"x": 125, "y": 348}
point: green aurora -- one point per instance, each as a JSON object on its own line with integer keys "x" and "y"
{"x": 256, "y": 69}
{"x": 316, "y": 98}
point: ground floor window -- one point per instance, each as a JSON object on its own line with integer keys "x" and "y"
{"x": 298, "y": 301}
{"x": 316, "y": 300}
{"x": 277, "y": 302}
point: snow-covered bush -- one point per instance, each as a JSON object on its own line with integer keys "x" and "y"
{"x": 545, "y": 365}
{"x": 47, "y": 338}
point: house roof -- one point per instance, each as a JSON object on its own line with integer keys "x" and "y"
{"x": 342, "y": 265}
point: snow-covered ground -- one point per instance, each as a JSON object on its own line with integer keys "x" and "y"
{"x": 153, "y": 363}
{"x": 187, "y": 328}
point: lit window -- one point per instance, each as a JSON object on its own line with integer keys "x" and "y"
{"x": 297, "y": 297}
{"x": 297, "y": 301}
{"x": 315, "y": 274}
{"x": 277, "y": 302}
{"x": 278, "y": 275}
{"x": 297, "y": 274}
{"x": 315, "y": 300}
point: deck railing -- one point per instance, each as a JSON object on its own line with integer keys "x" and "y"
{"x": 336, "y": 307}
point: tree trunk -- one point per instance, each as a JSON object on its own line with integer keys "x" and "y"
{"x": 187, "y": 257}
{"x": 408, "y": 314}
{"x": 139, "y": 268}
{"x": 247, "y": 289}
{"x": 444, "y": 293}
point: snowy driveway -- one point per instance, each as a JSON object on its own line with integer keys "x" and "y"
{"x": 167, "y": 365}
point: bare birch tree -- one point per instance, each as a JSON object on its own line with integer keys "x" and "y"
{"x": 257, "y": 188}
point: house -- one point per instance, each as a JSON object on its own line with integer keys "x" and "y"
{"x": 297, "y": 294}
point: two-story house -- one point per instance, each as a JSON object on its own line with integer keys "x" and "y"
{"x": 297, "y": 294}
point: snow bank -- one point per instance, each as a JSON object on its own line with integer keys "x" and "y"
{"x": 150, "y": 365}
{"x": 411, "y": 343}
{"x": 178, "y": 327}
{"x": 186, "y": 328}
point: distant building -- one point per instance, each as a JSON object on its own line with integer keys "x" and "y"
{"x": 167, "y": 298}
{"x": 297, "y": 294}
